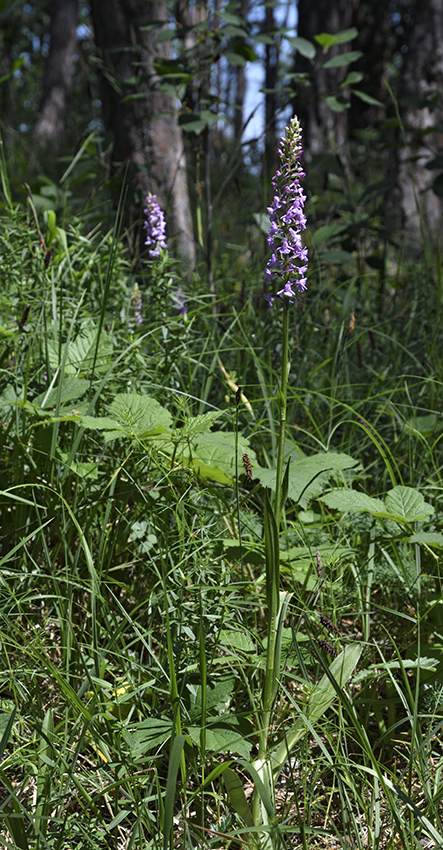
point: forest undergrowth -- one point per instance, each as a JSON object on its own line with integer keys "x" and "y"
{"x": 149, "y": 552}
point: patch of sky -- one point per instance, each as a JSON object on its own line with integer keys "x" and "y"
{"x": 285, "y": 15}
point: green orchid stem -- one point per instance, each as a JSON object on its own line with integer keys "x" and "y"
{"x": 272, "y": 530}
{"x": 283, "y": 406}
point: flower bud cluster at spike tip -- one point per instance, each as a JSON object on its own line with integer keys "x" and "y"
{"x": 289, "y": 259}
{"x": 155, "y": 226}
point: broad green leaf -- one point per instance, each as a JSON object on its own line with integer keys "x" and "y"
{"x": 406, "y": 503}
{"x": 366, "y": 98}
{"x": 139, "y": 416}
{"x": 351, "y": 500}
{"x": 308, "y": 477}
{"x": 237, "y": 796}
{"x": 148, "y": 735}
{"x": 201, "y": 424}
{"x": 343, "y": 59}
{"x": 337, "y": 104}
{"x": 221, "y": 739}
{"x": 214, "y": 455}
{"x": 326, "y": 232}
{"x": 237, "y": 641}
{"x": 422, "y": 425}
{"x": 352, "y": 78}
{"x": 326, "y": 39}
{"x": 72, "y": 389}
{"x": 428, "y": 538}
{"x": 303, "y": 46}
{"x": 81, "y": 352}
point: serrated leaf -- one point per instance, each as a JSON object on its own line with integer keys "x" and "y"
{"x": 308, "y": 477}
{"x": 221, "y": 738}
{"x": 72, "y": 389}
{"x": 406, "y": 503}
{"x": 139, "y": 416}
{"x": 198, "y": 424}
{"x": 81, "y": 352}
{"x": 350, "y": 500}
{"x": 237, "y": 641}
{"x": 147, "y": 735}
{"x": 428, "y": 538}
{"x": 214, "y": 455}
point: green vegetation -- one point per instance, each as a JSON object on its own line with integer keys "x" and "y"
{"x": 139, "y": 542}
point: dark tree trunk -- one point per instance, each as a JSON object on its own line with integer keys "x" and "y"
{"x": 373, "y": 20}
{"x": 145, "y": 128}
{"x": 271, "y": 65}
{"x": 323, "y": 129}
{"x": 59, "y": 72}
{"x": 421, "y": 107}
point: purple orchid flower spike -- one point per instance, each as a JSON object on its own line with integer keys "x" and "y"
{"x": 288, "y": 260}
{"x": 155, "y": 226}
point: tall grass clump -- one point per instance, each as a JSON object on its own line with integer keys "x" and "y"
{"x": 220, "y": 589}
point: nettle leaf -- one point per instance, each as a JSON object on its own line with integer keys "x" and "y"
{"x": 407, "y": 504}
{"x": 403, "y": 504}
{"x": 139, "y": 416}
{"x": 214, "y": 456}
{"x": 428, "y": 538}
{"x": 81, "y": 352}
{"x": 148, "y": 735}
{"x": 201, "y": 424}
{"x": 350, "y": 500}
{"x": 221, "y": 738}
{"x": 308, "y": 477}
{"x": 72, "y": 389}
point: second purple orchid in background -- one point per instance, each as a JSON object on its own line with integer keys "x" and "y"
{"x": 289, "y": 258}
{"x": 155, "y": 226}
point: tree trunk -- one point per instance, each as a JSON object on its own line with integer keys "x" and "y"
{"x": 59, "y": 73}
{"x": 421, "y": 108}
{"x": 323, "y": 129}
{"x": 145, "y": 126}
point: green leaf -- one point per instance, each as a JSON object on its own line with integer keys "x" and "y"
{"x": 322, "y": 697}
{"x": 72, "y": 389}
{"x": 81, "y": 352}
{"x": 351, "y": 78}
{"x": 303, "y": 46}
{"x": 326, "y": 39}
{"x": 147, "y": 735}
{"x": 406, "y": 503}
{"x": 351, "y": 500}
{"x": 366, "y": 98}
{"x": 308, "y": 477}
{"x": 326, "y": 232}
{"x": 139, "y": 416}
{"x": 237, "y": 796}
{"x": 343, "y": 59}
{"x": 428, "y": 538}
{"x": 337, "y": 104}
{"x": 198, "y": 424}
{"x": 214, "y": 455}
{"x": 220, "y": 738}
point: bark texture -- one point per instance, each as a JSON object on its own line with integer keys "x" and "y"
{"x": 59, "y": 73}
{"x": 145, "y": 127}
{"x": 421, "y": 106}
{"x": 323, "y": 129}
